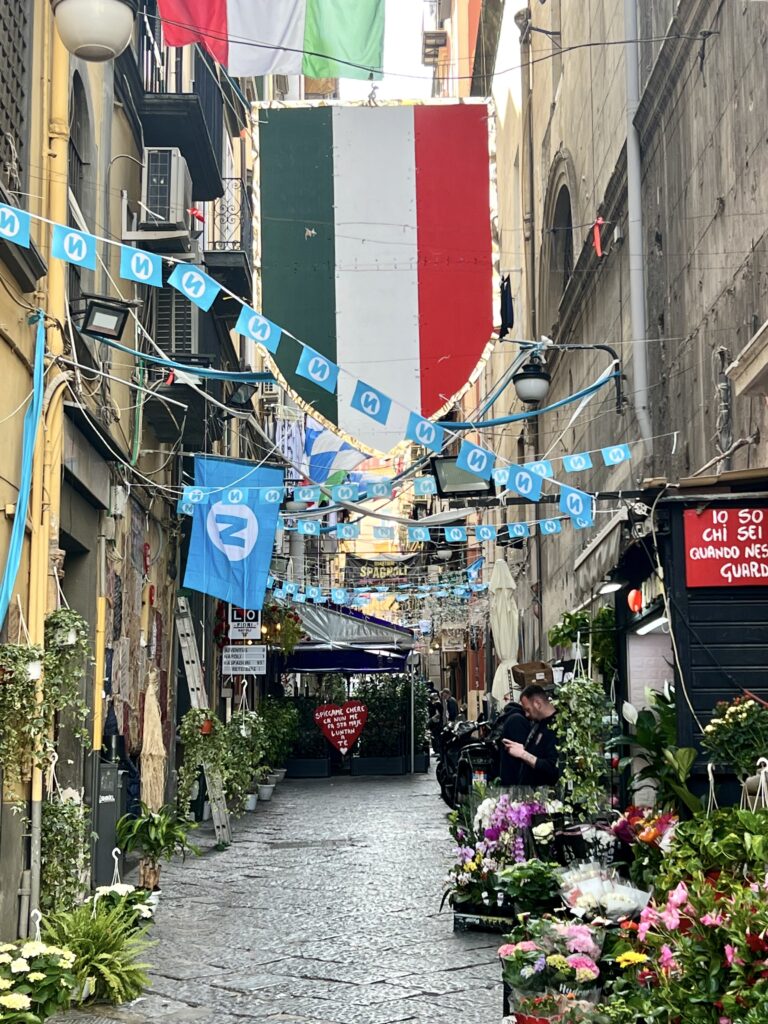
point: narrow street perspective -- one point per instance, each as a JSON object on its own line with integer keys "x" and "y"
{"x": 325, "y": 910}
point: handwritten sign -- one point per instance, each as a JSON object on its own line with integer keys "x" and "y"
{"x": 726, "y": 547}
{"x": 341, "y": 726}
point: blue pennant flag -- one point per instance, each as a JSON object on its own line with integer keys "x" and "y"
{"x": 300, "y": 597}
{"x": 271, "y": 581}
{"x": 578, "y": 505}
{"x": 475, "y": 460}
{"x": 315, "y": 367}
{"x": 291, "y": 588}
{"x": 441, "y": 593}
{"x": 73, "y": 247}
{"x": 425, "y": 432}
{"x": 424, "y": 485}
{"x": 231, "y": 545}
{"x": 418, "y": 534}
{"x": 256, "y": 327}
{"x": 380, "y": 489}
{"x": 550, "y": 526}
{"x": 348, "y": 531}
{"x": 402, "y": 597}
{"x": 485, "y": 533}
{"x": 345, "y": 492}
{"x": 14, "y": 225}
{"x": 473, "y": 569}
{"x": 314, "y": 592}
{"x": 518, "y": 530}
{"x": 184, "y": 508}
{"x": 541, "y": 468}
{"x": 339, "y": 595}
{"x": 501, "y": 476}
{"x": 577, "y": 463}
{"x": 524, "y": 483}
{"x": 383, "y": 533}
{"x": 615, "y": 454}
{"x": 308, "y": 494}
{"x": 454, "y": 534}
{"x": 195, "y": 284}
{"x": 272, "y": 495}
{"x": 371, "y": 403}
{"x": 308, "y": 527}
{"x": 140, "y": 266}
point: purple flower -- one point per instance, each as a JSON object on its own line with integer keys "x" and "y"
{"x": 540, "y": 964}
{"x": 492, "y": 834}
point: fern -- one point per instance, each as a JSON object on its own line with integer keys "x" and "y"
{"x": 107, "y": 950}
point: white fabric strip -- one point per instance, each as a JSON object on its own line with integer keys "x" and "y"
{"x": 277, "y": 23}
{"x": 377, "y": 287}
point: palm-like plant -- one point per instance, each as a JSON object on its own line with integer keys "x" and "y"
{"x": 158, "y": 835}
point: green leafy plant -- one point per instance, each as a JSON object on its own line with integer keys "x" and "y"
{"x": 204, "y": 740}
{"x": 283, "y": 626}
{"x": 158, "y": 835}
{"x": 727, "y": 842}
{"x": 532, "y": 886}
{"x": 582, "y": 734}
{"x": 36, "y": 981}
{"x": 106, "y": 951}
{"x": 244, "y": 735}
{"x": 66, "y": 840}
{"x": 132, "y": 902}
{"x": 64, "y": 664}
{"x": 309, "y": 742}
{"x": 737, "y": 735}
{"x": 24, "y": 734}
{"x": 653, "y": 743}
{"x": 384, "y": 732}
{"x": 572, "y": 628}
{"x": 280, "y": 718}
{"x": 602, "y": 639}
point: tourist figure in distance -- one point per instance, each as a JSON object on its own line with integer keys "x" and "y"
{"x": 450, "y": 706}
{"x": 538, "y": 753}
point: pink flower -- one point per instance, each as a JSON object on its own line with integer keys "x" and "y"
{"x": 667, "y": 960}
{"x": 526, "y": 947}
{"x": 730, "y": 955}
{"x": 723, "y": 1020}
{"x": 670, "y": 917}
{"x": 712, "y": 920}
{"x": 678, "y": 896}
{"x": 579, "y": 962}
{"x": 506, "y": 950}
{"x": 648, "y": 918}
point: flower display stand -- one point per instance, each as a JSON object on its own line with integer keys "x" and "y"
{"x": 479, "y": 918}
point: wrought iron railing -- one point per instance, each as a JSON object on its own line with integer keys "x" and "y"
{"x": 229, "y": 220}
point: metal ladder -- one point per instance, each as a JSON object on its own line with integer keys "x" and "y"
{"x": 198, "y": 698}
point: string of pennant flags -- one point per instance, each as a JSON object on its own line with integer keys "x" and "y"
{"x": 289, "y": 590}
{"x": 139, "y": 266}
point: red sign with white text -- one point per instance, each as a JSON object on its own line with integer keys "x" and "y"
{"x": 341, "y": 726}
{"x": 726, "y": 547}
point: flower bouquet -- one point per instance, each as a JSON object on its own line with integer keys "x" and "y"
{"x": 36, "y": 981}
{"x": 538, "y": 1009}
{"x": 649, "y": 836}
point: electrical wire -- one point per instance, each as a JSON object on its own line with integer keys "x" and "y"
{"x": 18, "y": 408}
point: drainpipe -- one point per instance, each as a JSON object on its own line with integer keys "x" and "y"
{"x": 635, "y": 217}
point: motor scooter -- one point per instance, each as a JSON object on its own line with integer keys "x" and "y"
{"x": 465, "y": 748}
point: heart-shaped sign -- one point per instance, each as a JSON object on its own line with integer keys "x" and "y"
{"x": 341, "y": 726}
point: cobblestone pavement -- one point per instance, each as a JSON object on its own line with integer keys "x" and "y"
{"x": 323, "y": 911}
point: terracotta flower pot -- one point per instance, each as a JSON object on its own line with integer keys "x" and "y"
{"x": 207, "y": 727}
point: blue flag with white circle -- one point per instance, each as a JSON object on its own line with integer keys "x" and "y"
{"x": 308, "y": 527}
{"x": 578, "y": 505}
{"x": 372, "y": 403}
{"x": 194, "y": 284}
{"x": 140, "y": 266}
{"x": 14, "y": 225}
{"x": 425, "y": 432}
{"x": 73, "y": 246}
{"x": 256, "y": 327}
{"x": 475, "y": 460}
{"x": 232, "y": 540}
{"x": 315, "y": 367}
{"x": 577, "y": 463}
{"x": 615, "y": 454}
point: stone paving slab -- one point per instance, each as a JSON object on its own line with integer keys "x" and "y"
{"x": 323, "y": 911}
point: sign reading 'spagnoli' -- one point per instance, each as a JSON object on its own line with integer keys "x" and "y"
{"x": 726, "y": 547}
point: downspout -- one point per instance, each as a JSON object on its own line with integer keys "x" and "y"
{"x": 635, "y": 218}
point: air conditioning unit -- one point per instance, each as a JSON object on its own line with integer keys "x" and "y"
{"x": 176, "y": 321}
{"x": 166, "y": 191}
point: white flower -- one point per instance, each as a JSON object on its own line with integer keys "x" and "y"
{"x": 70, "y": 796}
{"x": 144, "y": 910}
{"x": 35, "y": 976}
{"x": 5, "y": 958}
{"x": 544, "y": 832}
{"x": 19, "y": 966}
{"x": 629, "y": 712}
{"x": 34, "y": 949}
{"x": 121, "y": 888}
{"x": 15, "y": 1001}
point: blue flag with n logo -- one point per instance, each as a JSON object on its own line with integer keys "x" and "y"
{"x": 231, "y": 546}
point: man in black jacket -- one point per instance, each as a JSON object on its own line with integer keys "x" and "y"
{"x": 538, "y": 753}
{"x": 514, "y": 726}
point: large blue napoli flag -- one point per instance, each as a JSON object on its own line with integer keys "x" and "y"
{"x": 233, "y": 531}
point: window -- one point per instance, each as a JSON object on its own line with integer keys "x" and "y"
{"x": 77, "y": 168}
{"x": 15, "y": 58}
{"x": 557, "y": 264}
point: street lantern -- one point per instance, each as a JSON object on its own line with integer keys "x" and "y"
{"x": 95, "y": 30}
{"x": 532, "y": 381}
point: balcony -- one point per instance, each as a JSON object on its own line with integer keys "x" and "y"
{"x": 168, "y": 108}
{"x": 228, "y": 243}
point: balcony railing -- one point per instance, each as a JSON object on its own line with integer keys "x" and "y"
{"x": 229, "y": 220}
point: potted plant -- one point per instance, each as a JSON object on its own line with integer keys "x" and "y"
{"x": 52, "y": 985}
{"x": 209, "y": 748}
{"x": 280, "y": 719}
{"x": 309, "y": 754}
{"x": 544, "y": 1008}
{"x": 244, "y": 734}
{"x": 381, "y": 745}
{"x": 265, "y": 787}
{"x": 158, "y": 835}
{"x": 571, "y": 634}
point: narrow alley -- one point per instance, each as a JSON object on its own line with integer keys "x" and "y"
{"x": 324, "y": 911}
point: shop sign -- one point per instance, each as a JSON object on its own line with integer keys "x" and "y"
{"x": 244, "y": 624}
{"x": 245, "y": 660}
{"x": 342, "y": 725}
{"x": 726, "y": 547}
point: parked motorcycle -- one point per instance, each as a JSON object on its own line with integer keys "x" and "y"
{"x": 465, "y": 748}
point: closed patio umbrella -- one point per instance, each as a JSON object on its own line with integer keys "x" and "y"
{"x": 153, "y": 754}
{"x": 504, "y": 627}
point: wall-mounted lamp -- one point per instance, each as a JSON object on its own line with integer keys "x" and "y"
{"x": 95, "y": 30}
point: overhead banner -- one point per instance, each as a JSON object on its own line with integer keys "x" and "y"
{"x": 376, "y": 249}
{"x": 233, "y": 530}
{"x": 365, "y": 572}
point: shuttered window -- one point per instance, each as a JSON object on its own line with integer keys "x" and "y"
{"x": 15, "y": 58}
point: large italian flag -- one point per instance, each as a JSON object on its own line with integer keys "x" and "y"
{"x": 376, "y": 251}
{"x": 318, "y": 38}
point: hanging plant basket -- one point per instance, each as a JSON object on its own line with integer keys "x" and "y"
{"x": 206, "y": 727}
